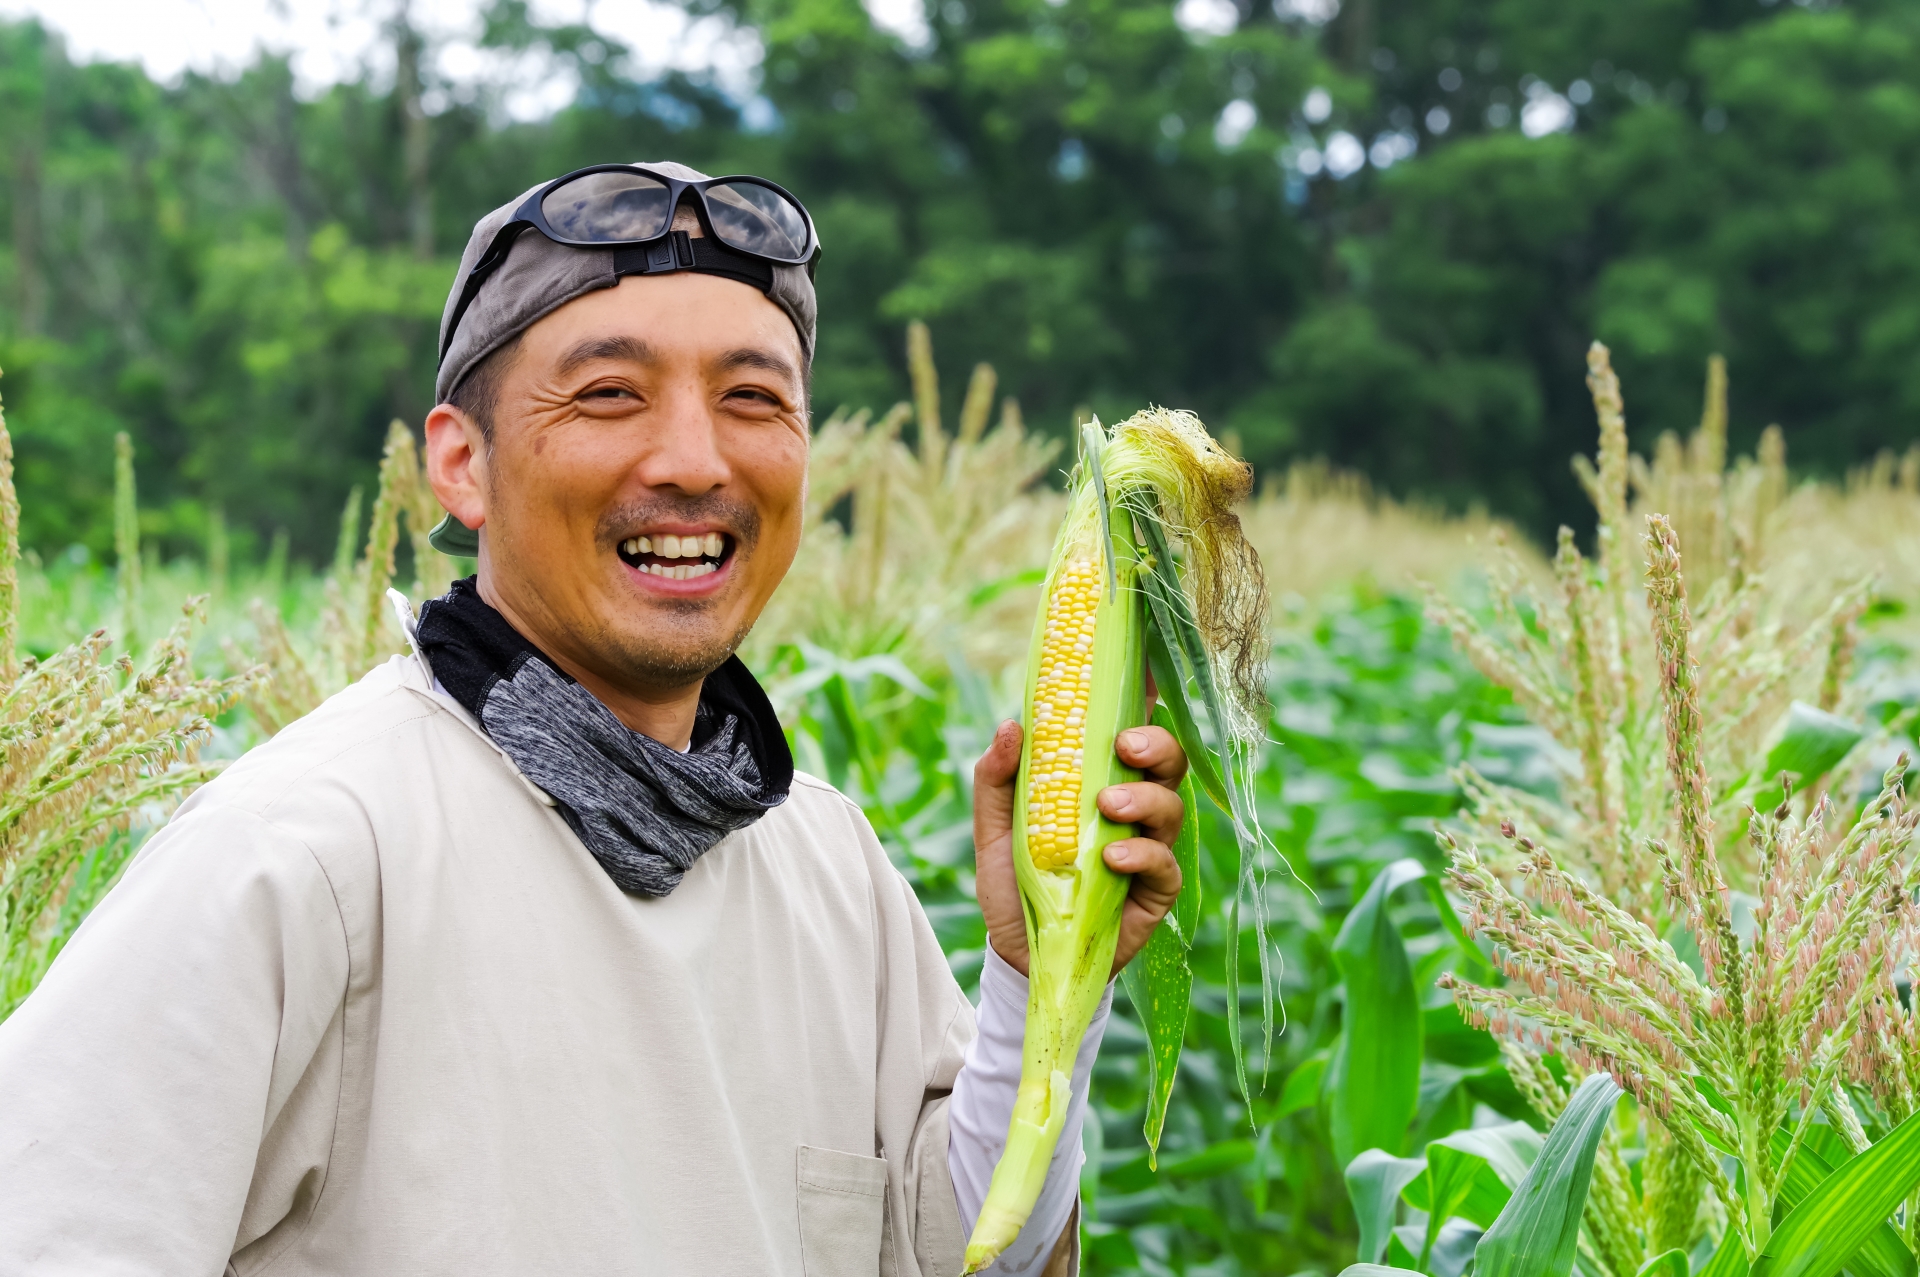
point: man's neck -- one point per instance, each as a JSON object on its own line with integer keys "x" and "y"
{"x": 667, "y": 716}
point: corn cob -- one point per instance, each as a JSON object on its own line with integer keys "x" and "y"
{"x": 1113, "y": 596}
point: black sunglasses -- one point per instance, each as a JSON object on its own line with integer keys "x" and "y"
{"x": 626, "y": 206}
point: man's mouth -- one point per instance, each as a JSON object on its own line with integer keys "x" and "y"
{"x": 677, "y": 557}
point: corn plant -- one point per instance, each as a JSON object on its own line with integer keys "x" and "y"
{"x": 94, "y": 748}
{"x": 1708, "y": 912}
{"x": 928, "y": 552}
{"x": 358, "y": 628}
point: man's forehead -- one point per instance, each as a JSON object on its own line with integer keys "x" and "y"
{"x": 722, "y": 324}
{"x": 627, "y": 348}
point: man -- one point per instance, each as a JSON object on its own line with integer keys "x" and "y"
{"x": 531, "y": 953}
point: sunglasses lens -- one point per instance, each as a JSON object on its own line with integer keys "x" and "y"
{"x": 758, "y": 219}
{"x": 602, "y": 208}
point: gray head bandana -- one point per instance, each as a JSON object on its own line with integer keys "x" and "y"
{"x": 540, "y": 276}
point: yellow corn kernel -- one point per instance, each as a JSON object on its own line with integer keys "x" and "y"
{"x": 1059, "y": 727}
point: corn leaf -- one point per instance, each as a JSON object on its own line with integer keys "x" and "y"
{"x": 1186, "y": 852}
{"x": 1374, "y": 1078}
{"x": 1813, "y": 743}
{"x": 1452, "y": 1253}
{"x": 1093, "y": 442}
{"x": 1828, "y": 1143}
{"x": 1478, "y": 965}
{"x": 1170, "y": 685}
{"x": 1214, "y": 1159}
{"x": 1159, "y": 981}
{"x": 1267, "y": 1166}
{"x": 1375, "y": 1180}
{"x": 1509, "y": 1150}
{"x": 1177, "y": 656}
{"x": 1470, "y": 1177}
{"x": 1455, "y": 1188}
{"x": 1730, "y": 1260}
{"x": 1303, "y": 1085}
{"x": 1457, "y": 1183}
{"x": 1845, "y": 1210}
{"x": 1883, "y": 1254}
{"x": 1376, "y": 1270}
{"x": 1537, "y": 1233}
{"x": 1672, "y": 1264}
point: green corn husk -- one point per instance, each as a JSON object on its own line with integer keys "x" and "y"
{"x": 1199, "y": 622}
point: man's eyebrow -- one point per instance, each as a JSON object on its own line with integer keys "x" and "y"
{"x": 631, "y": 349}
{"x": 755, "y": 357}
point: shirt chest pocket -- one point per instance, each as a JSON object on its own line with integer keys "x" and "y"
{"x": 842, "y": 1200}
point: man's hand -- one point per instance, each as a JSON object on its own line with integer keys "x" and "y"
{"x": 1153, "y": 804}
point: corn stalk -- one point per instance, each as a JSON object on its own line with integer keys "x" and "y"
{"x": 1674, "y": 709}
{"x": 93, "y": 749}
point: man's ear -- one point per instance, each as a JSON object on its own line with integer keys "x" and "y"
{"x": 457, "y": 464}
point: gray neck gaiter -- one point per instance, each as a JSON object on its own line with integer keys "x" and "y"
{"x": 644, "y": 810}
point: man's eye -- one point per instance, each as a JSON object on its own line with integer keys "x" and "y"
{"x": 755, "y": 396}
{"x": 608, "y": 392}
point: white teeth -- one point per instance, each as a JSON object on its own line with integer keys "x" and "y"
{"x": 669, "y": 546}
{"x": 681, "y": 571}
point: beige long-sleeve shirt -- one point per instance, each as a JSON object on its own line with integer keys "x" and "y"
{"x": 367, "y": 1006}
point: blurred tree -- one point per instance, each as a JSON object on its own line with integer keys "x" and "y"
{"x": 1706, "y": 177}
{"x": 1381, "y": 232}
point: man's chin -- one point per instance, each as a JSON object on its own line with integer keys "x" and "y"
{"x": 647, "y": 660}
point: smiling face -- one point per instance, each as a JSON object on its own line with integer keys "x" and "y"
{"x": 642, "y": 492}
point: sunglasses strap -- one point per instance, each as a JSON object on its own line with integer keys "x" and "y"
{"x": 677, "y": 251}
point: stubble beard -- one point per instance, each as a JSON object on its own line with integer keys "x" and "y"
{"x": 666, "y": 663}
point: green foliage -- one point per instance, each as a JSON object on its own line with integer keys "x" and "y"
{"x": 92, "y": 747}
{"x": 1159, "y": 982}
{"x": 1373, "y": 1080}
{"x": 1465, "y": 1177}
{"x": 1882, "y": 1253}
{"x": 1846, "y": 1209}
{"x": 1372, "y": 709}
{"x": 1375, "y": 1180}
{"x": 248, "y": 282}
{"x": 1777, "y": 1034}
{"x": 1538, "y": 1231}
{"x": 1734, "y": 185}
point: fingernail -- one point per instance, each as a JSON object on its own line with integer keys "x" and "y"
{"x": 1116, "y": 797}
{"x": 1133, "y": 740}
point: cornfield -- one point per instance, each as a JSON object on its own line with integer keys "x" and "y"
{"x": 1644, "y": 1004}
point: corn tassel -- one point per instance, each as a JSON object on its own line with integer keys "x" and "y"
{"x": 1156, "y": 477}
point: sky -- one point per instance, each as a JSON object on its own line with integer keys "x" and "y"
{"x": 331, "y": 40}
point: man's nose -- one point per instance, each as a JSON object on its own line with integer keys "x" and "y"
{"x": 685, "y": 452}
